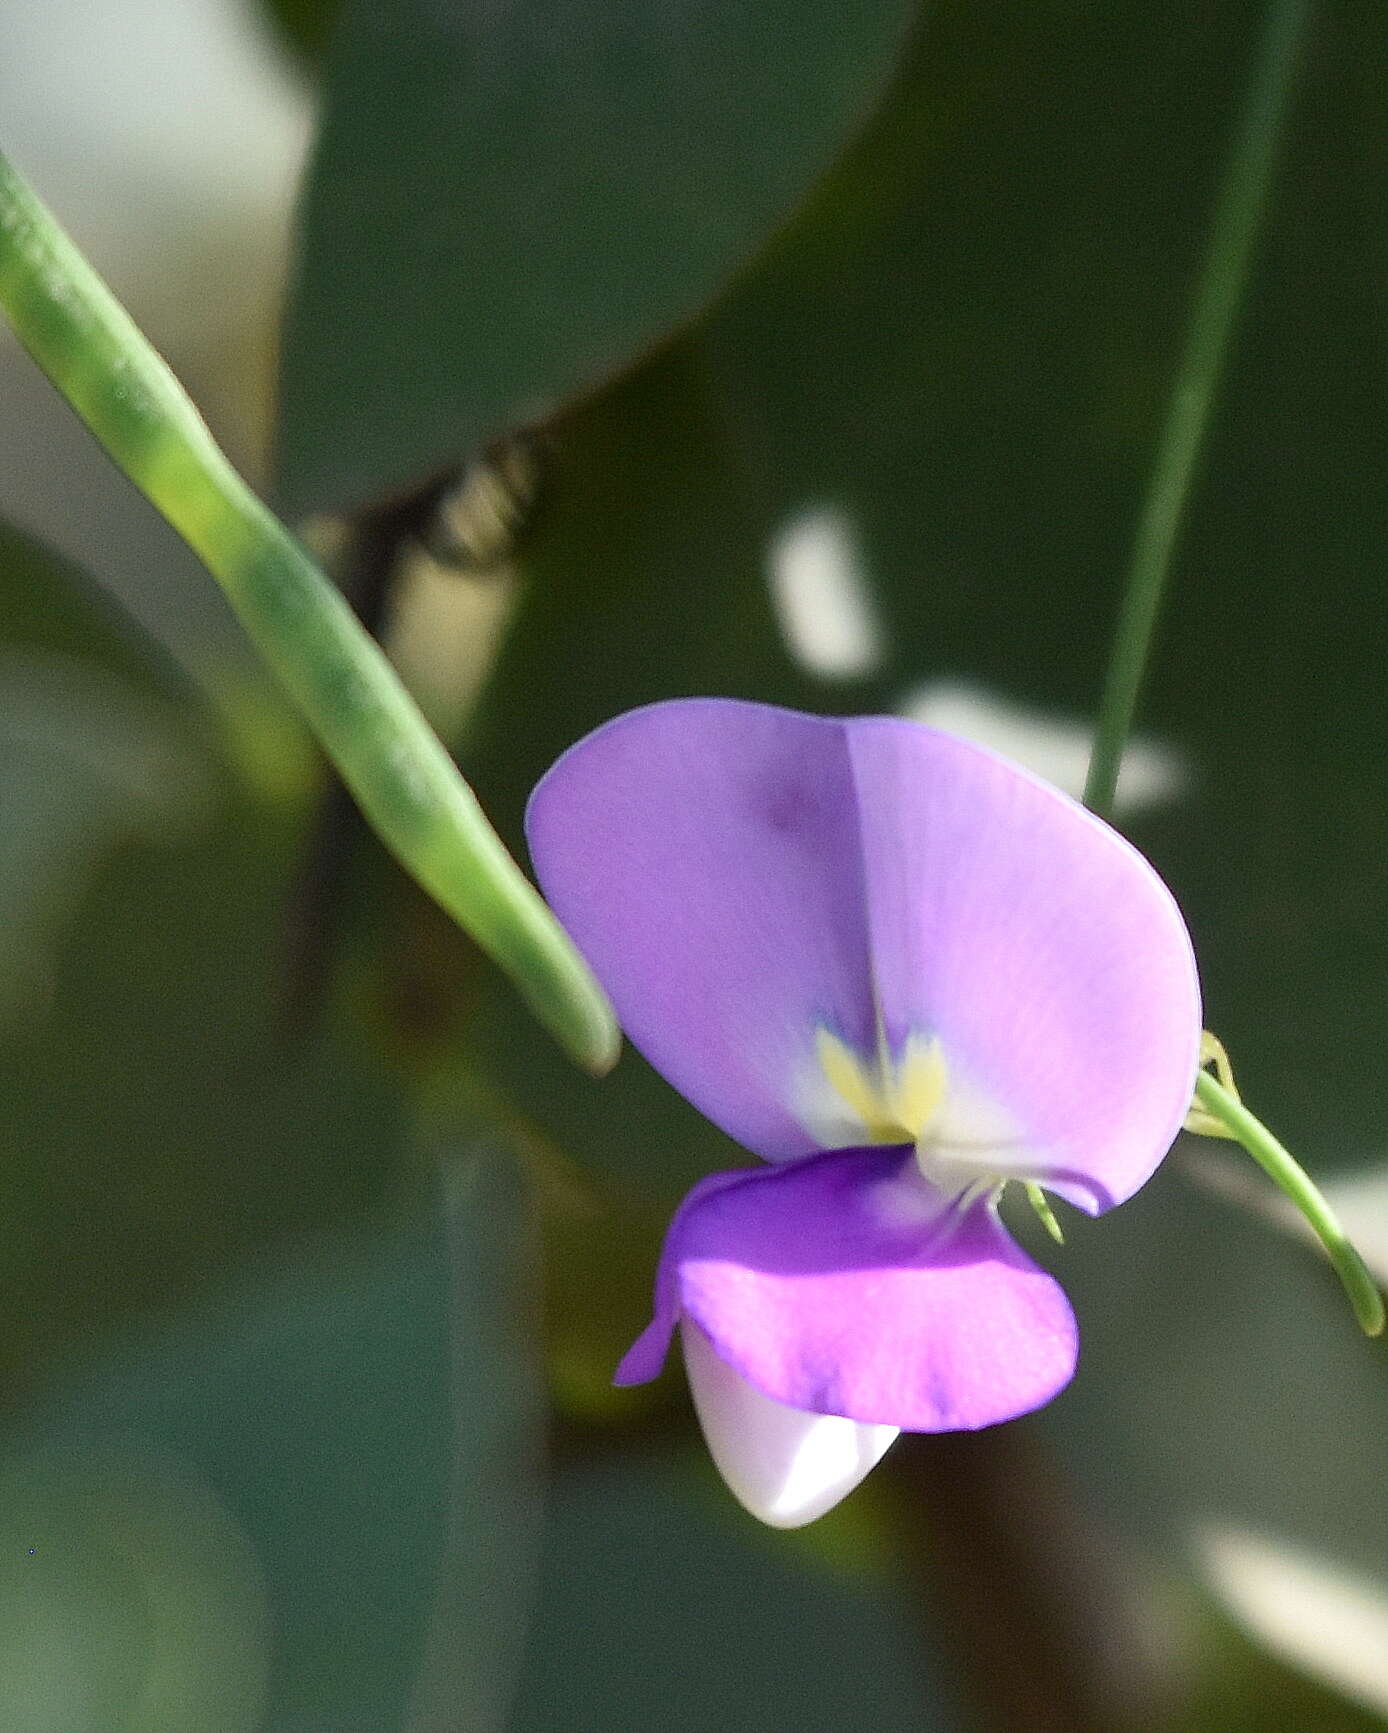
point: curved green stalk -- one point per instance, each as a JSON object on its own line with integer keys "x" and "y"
{"x": 1288, "y": 1175}
{"x": 1238, "y": 212}
{"x": 401, "y": 775}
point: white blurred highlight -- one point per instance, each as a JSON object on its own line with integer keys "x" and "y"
{"x": 783, "y": 1465}
{"x": 1053, "y": 747}
{"x": 821, "y": 595}
{"x": 445, "y": 631}
{"x": 1361, "y": 1202}
{"x": 168, "y": 134}
{"x": 1309, "y": 1609}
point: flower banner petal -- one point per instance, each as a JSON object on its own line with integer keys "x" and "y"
{"x": 1038, "y": 947}
{"x": 843, "y": 1285}
{"x": 704, "y": 854}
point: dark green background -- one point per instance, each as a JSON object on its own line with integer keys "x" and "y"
{"x": 270, "y": 1289}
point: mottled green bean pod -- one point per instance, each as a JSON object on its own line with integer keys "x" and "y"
{"x": 403, "y": 778}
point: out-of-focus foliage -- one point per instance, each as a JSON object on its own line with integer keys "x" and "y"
{"x": 278, "y": 1506}
{"x": 94, "y": 750}
{"x": 149, "y": 1094}
{"x": 265, "y": 1367}
{"x": 538, "y": 194}
{"x": 663, "y": 1608}
{"x": 305, "y": 26}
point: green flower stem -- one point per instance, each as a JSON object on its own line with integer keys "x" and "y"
{"x": 1241, "y": 198}
{"x": 1238, "y": 212}
{"x": 1292, "y": 1179}
{"x": 401, "y": 775}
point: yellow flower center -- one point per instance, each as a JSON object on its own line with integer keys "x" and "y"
{"x": 965, "y": 1145}
{"x": 894, "y": 1099}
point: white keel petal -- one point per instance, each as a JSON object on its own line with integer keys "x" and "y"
{"x": 784, "y": 1465}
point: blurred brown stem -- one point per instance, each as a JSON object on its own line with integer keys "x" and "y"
{"x": 1025, "y": 1591}
{"x": 378, "y": 542}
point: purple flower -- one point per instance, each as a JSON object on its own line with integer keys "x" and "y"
{"x": 903, "y": 972}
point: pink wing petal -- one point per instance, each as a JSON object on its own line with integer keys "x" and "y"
{"x": 842, "y": 1285}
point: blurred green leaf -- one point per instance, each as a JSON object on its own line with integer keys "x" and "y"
{"x": 508, "y": 202}
{"x": 485, "y": 1585}
{"x": 130, "y": 1601}
{"x": 662, "y": 1605}
{"x": 304, "y": 26}
{"x": 49, "y": 604}
{"x": 98, "y": 745}
{"x": 331, "y": 1458}
{"x": 159, "y": 1124}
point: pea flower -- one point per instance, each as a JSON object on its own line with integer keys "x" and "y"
{"x": 904, "y": 973}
